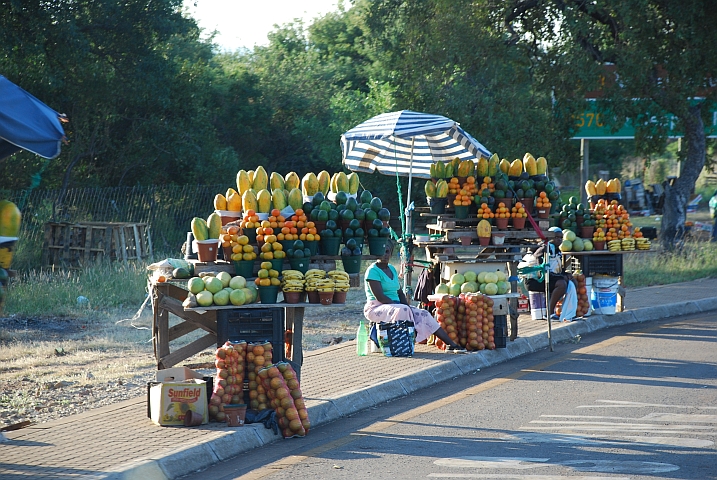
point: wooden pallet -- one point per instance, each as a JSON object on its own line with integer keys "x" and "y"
{"x": 73, "y": 245}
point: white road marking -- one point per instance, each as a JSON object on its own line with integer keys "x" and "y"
{"x": 612, "y": 429}
{"x": 626, "y": 404}
{"x": 619, "y": 466}
{"x": 680, "y": 417}
{"x": 519, "y": 463}
{"x": 614, "y": 440}
{"x": 618, "y": 424}
{"x": 509, "y": 476}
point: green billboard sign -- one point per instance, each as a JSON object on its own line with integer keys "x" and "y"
{"x": 593, "y": 125}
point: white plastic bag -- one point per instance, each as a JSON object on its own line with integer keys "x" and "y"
{"x": 570, "y": 303}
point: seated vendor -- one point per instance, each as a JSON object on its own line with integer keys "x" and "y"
{"x": 558, "y": 280}
{"x": 386, "y": 302}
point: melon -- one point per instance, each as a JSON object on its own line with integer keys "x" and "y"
{"x": 481, "y": 277}
{"x": 491, "y": 288}
{"x": 454, "y": 289}
{"x": 469, "y": 287}
{"x": 442, "y": 289}
{"x": 457, "y": 279}
{"x": 491, "y": 277}
{"x": 503, "y": 287}
{"x": 470, "y": 276}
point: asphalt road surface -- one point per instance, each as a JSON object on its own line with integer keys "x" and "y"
{"x": 634, "y": 402}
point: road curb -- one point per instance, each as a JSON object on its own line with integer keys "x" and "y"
{"x": 192, "y": 458}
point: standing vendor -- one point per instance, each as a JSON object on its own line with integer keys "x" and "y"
{"x": 386, "y": 302}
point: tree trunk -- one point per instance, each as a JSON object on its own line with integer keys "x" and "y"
{"x": 678, "y": 194}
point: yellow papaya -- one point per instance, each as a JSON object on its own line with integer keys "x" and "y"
{"x": 613, "y": 186}
{"x": 310, "y": 184}
{"x": 441, "y": 189}
{"x": 342, "y": 182}
{"x": 465, "y": 168}
{"x": 530, "y": 165}
{"x": 440, "y": 170}
{"x": 214, "y": 224}
{"x": 234, "y": 202}
{"x": 542, "y": 165}
{"x": 493, "y": 166}
{"x": 481, "y": 169}
{"x": 200, "y": 230}
{"x": 10, "y": 218}
{"x": 263, "y": 201}
{"x": 248, "y": 200}
{"x": 483, "y": 229}
{"x": 324, "y": 181}
{"x": 295, "y": 199}
{"x": 229, "y": 193}
{"x": 504, "y": 166}
{"x": 618, "y": 183}
{"x": 261, "y": 179}
{"x": 250, "y": 173}
{"x": 590, "y": 188}
{"x": 455, "y": 163}
{"x": 292, "y": 181}
{"x": 353, "y": 180}
{"x": 220, "y": 202}
{"x": 430, "y": 189}
{"x": 243, "y": 182}
{"x": 600, "y": 187}
{"x": 276, "y": 181}
{"x": 278, "y": 200}
{"x": 516, "y": 168}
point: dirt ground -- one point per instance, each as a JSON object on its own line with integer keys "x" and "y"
{"x": 55, "y": 367}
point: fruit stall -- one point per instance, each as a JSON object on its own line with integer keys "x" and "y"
{"x": 271, "y": 248}
{"x": 484, "y": 216}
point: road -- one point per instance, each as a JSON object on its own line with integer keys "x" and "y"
{"x": 634, "y": 402}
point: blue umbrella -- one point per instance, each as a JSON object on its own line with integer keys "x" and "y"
{"x": 407, "y": 143}
{"x": 27, "y": 123}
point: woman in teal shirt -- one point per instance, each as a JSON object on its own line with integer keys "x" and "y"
{"x": 386, "y": 302}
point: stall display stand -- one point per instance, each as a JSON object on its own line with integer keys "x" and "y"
{"x": 447, "y": 254}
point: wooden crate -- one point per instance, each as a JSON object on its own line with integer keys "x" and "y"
{"x": 73, "y": 245}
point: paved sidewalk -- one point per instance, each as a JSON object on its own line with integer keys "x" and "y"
{"x": 120, "y": 442}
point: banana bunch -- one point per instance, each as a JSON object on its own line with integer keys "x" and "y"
{"x": 312, "y": 278}
{"x": 627, "y": 243}
{"x": 292, "y": 281}
{"x": 642, "y": 244}
{"x": 320, "y": 285}
{"x": 614, "y": 245}
{"x": 341, "y": 280}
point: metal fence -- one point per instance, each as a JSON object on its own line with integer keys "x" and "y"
{"x": 167, "y": 210}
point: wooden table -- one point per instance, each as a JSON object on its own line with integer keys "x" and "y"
{"x": 167, "y": 298}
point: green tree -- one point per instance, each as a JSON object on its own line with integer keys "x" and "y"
{"x": 134, "y": 80}
{"x": 662, "y": 52}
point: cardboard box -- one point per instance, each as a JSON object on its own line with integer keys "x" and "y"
{"x": 169, "y": 401}
{"x": 177, "y": 374}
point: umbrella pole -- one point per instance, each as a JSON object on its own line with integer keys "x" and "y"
{"x": 407, "y": 234}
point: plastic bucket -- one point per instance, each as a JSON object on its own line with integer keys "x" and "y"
{"x": 376, "y": 245}
{"x": 269, "y": 294}
{"x": 461, "y": 211}
{"x": 277, "y": 264}
{"x": 207, "y": 250}
{"x": 352, "y": 264}
{"x": 603, "y": 297}
{"x": 300, "y": 264}
{"x": 330, "y": 245}
{"x": 313, "y": 247}
{"x": 245, "y": 268}
{"x": 437, "y": 204}
{"x": 236, "y": 414}
{"x": 538, "y": 310}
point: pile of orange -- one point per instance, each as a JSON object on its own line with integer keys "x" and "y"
{"x": 454, "y": 186}
{"x": 542, "y": 201}
{"x": 484, "y": 211}
{"x": 241, "y": 250}
{"x": 502, "y": 211}
{"x": 299, "y": 227}
{"x": 267, "y": 276}
{"x": 271, "y": 248}
{"x": 518, "y": 211}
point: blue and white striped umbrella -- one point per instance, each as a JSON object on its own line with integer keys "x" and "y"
{"x": 407, "y": 143}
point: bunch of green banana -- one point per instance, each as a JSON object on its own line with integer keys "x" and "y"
{"x": 341, "y": 280}
{"x": 614, "y": 245}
